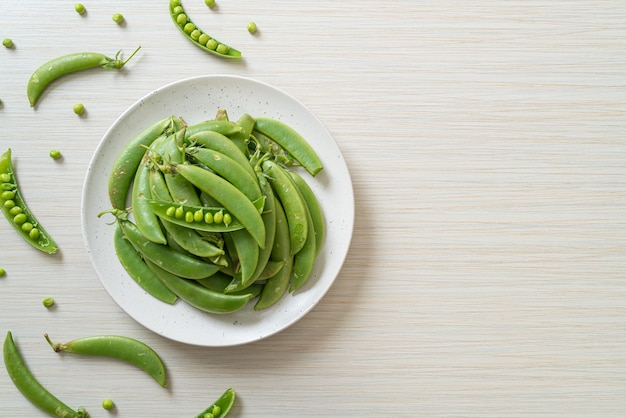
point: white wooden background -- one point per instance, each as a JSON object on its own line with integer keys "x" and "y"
{"x": 486, "y": 141}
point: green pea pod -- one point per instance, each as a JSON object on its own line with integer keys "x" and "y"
{"x": 138, "y": 270}
{"x": 17, "y": 213}
{"x": 181, "y": 190}
{"x": 224, "y": 127}
{"x": 292, "y": 202}
{"x": 221, "y": 407}
{"x": 304, "y": 260}
{"x": 187, "y": 238}
{"x": 221, "y": 143}
{"x": 247, "y": 253}
{"x": 220, "y": 281}
{"x": 276, "y": 286}
{"x": 163, "y": 209}
{"x": 126, "y": 164}
{"x": 30, "y": 387}
{"x": 246, "y": 121}
{"x": 198, "y": 37}
{"x": 175, "y": 262}
{"x": 288, "y": 138}
{"x": 228, "y": 196}
{"x": 118, "y": 347}
{"x": 67, "y": 64}
{"x": 317, "y": 216}
{"x": 145, "y": 219}
{"x": 198, "y": 296}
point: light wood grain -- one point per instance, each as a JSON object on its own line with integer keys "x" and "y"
{"x": 486, "y": 146}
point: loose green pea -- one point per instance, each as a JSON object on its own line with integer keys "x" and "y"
{"x": 8, "y": 43}
{"x": 5, "y": 178}
{"x": 7, "y": 195}
{"x": 2, "y": 272}
{"x": 79, "y": 109}
{"x": 118, "y": 18}
{"x": 48, "y": 302}
{"x": 80, "y": 8}
{"x": 108, "y": 404}
{"x": 252, "y": 27}
{"x": 55, "y": 154}
{"x": 222, "y": 49}
{"x": 15, "y": 210}
{"x": 19, "y": 219}
{"x": 210, "y": 3}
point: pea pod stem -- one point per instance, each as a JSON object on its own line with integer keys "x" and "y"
{"x": 30, "y": 387}
{"x": 57, "y": 67}
{"x": 118, "y": 347}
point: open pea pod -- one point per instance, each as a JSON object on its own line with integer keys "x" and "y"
{"x": 202, "y": 218}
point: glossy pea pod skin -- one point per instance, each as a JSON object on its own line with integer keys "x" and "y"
{"x": 221, "y": 407}
{"x": 201, "y": 297}
{"x": 127, "y": 162}
{"x": 16, "y": 211}
{"x": 119, "y": 347}
{"x": 315, "y": 210}
{"x": 197, "y": 36}
{"x": 31, "y": 388}
{"x": 145, "y": 219}
{"x": 57, "y": 67}
{"x": 291, "y": 141}
{"x": 138, "y": 270}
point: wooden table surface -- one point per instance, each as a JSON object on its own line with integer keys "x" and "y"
{"x": 486, "y": 144}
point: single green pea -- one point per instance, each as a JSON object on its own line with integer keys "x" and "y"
{"x": 80, "y": 8}
{"x": 210, "y": 3}
{"x": 118, "y": 18}
{"x": 208, "y": 218}
{"x": 7, "y": 195}
{"x": 9, "y": 204}
{"x": 218, "y": 217}
{"x": 189, "y": 27}
{"x": 195, "y": 35}
{"x": 208, "y": 415}
{"x": 79, "y": 109}
{"x": 55, "y": 154}
{"x": 216, "y": 410}
{"x": 15, "y": 210}
{"x": 211, "y": 44}
{"x": 252, "y": 27}
{"x": 34, "y": 234}
{"x": 189, "y": 217}
{"x": 203, "y": 39}
{"x": 108, "y": 404}
{"x": 8, "y": 43}
{"x": 227, "y": 219}
{"x": 5, "y": 177}
{"x": 170, "y": 211}
{"x": 179, "y": 213}
{"x": 222, "y": 49}
{"x": 20, "y": 218}
{"x": 181, "y": 19}
{"x": 175, "y": 3}
{"x": 198, "y": 216}
{"x": 27, "y": 227}
{"x": 2, "y": 272}
{"x": 7, "y": 186}
{"x": 48, "y": 302}
{"x": 177, "y": 10}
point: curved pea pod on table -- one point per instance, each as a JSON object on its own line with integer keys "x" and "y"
{"x": 126, "y": 349}
{"x": 221, "y": 407}
{"x": 16, "y": 211}
{"x": 31, "y": 388}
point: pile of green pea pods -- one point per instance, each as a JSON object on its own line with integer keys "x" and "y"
{"x": 217, "y": 216}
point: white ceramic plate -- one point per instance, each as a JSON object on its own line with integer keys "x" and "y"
{"x": 195, "y": 100}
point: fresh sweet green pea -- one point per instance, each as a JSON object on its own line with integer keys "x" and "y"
{"x": 108, "y": 404}
{"x": 118, "y": 18}
{"x": 8, "y": 43}
{"x": 252, "y": 28}
{"x": 210, "y": 3}
{"x": 79, "y": 109}
{"x": 55, "y": 154}
{"x": 2, "y": 272}
{"x": 80, "y": 8}
{"x": 48, "y": 302}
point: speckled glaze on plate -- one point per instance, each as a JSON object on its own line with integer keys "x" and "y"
{"x": 197, "y": 99}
